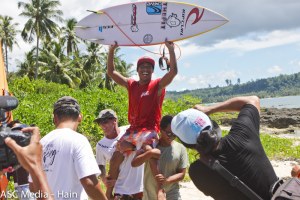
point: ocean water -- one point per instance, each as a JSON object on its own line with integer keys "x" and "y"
{"x": 281, "y": 102}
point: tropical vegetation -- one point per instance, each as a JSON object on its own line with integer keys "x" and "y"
{"x": 8, "y": 34}
{"x": 58, "y": 55}
{"x": 283, "y": 85}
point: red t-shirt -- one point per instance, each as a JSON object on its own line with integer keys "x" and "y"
{"x": 145, "y": 105}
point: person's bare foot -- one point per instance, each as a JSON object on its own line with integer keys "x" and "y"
{"x": 161, "y": 195}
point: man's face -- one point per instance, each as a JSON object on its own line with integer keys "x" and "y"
{"x": 167, "y": 135}
{"x": 145, "y": 71}
{"x": 108, "y": 126}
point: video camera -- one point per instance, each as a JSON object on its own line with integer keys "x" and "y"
{"x": 8, "y": 160}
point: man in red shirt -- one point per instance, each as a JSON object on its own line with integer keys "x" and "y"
{"x": 144, "y": 113}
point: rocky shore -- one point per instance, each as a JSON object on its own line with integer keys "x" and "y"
{"x": 276, "y": 121}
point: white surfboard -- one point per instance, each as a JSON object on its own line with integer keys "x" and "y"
{"x": 147, "y": 23}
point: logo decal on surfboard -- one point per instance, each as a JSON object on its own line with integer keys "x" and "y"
{"x": 196, "y": 12}
{"x": 100, "y": 28}
{"x": 148, "y": 38}
{"x": 153, "y": 8}
{"x": 134, "y": 26}
{"x": 182, "y": 21}
{"x": 173, "y": 21}
{"x": 164, "y": 15}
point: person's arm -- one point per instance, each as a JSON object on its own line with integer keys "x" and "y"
{"x": 176, "y": 177}
{"x": 92, "y": 187}
{"x": 143, "y": 156}
{"x": 171, "y": 179}
{"x": 233, "y": 104}
{"x": 103, "y": 172}
{"x": 111, "y": 71}
{"x": 30, "y": 157}
{"x": 169, "y": 76}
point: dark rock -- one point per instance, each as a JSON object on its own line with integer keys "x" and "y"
{"x": 280, "y": 118}
{"x": 274, "y": 118}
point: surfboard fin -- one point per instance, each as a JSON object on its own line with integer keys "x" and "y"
{"x": 96, "y": 12}
{"x": 95, "y": 40}
{"x": 83, "y": 27}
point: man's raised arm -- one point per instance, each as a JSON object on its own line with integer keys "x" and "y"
{"x": 111, "y": 71}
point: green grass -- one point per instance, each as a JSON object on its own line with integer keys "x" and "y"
{"x": 278, "y": 148}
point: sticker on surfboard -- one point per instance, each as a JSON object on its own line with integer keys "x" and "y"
{"x": 147, "y": 23}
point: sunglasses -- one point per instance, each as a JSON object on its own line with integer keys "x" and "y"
{"x": 170, "y": 134}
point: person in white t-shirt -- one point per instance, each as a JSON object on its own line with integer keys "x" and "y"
{"x": 68, "y": 159}
{"x": 129, "y": 183}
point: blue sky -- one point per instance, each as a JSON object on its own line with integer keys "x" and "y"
{"x": 261, "y": 39}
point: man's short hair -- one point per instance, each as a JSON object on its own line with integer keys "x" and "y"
{"x": 66, "y": 107}
{"x": 165, "y": 121}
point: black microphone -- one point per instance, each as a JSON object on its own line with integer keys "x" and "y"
{"x": 8, "y": 103}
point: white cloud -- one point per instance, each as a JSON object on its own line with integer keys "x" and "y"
{"x": 203, "y": 81}
{"x": 275, "y": 69}
{"x": 295, "y": 63}
{"x": 179, "y": 78}
{"x": 261, "y": 41}
{"x": 187, "y": 65}
{"x": 250, "y": 42}
{"x": 193, "y": 81}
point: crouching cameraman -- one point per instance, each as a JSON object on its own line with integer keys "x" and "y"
{"x": 30, "y": 158}
{"x": 19, "y": 175}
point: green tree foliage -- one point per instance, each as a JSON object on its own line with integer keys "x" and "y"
{"x": 283, "y": 85}
{"x": 94, "y": 64}
{"x": 8, "y": 34}
{"x": 56, "y": 66}
{"x": 40, "y": 14}
{"x": 26, "y": 68}
{"x": 36, "y": 99}
{"x": 69, "y": 37}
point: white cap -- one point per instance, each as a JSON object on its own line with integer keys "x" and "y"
{"x": 188, "y": 124}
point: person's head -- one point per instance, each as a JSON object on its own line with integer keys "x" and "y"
{"x": 108, "y": 121}
{"x": 66, "y": 109}
{"x": 145, "y": 68}
{"x": 167, "y": 136}
{"x": 195, "y": 129}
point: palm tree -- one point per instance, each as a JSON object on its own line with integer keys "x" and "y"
{"x": 227, "y": 81}
{"x": 68, "y": 35}
{"x": 56, "y": 66}
{"x": 238, "y": 81}
{"x": 94, "y": 63}
{"x": 8, "y": 34}
{"x": 40, "y": 14}
{"x": 26, "y": 68}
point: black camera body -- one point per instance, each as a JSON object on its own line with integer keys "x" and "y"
{"x": 7, "y": 156}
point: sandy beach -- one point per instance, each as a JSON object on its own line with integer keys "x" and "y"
{"x": 188, "y": 190}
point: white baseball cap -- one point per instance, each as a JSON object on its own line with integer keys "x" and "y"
{"x": 188, "y": 124}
